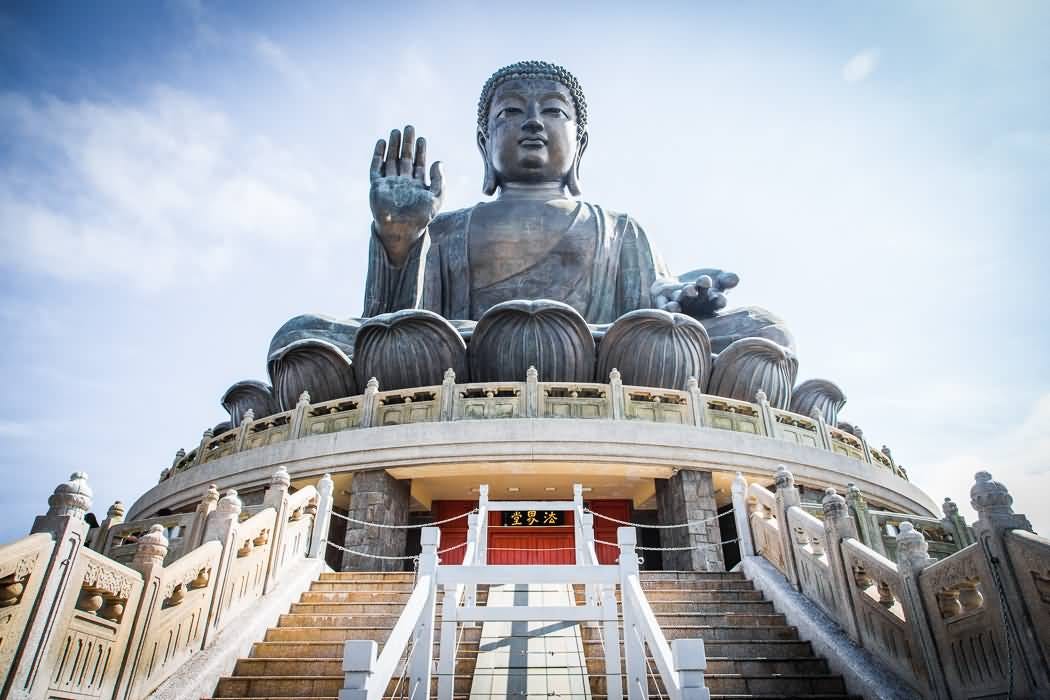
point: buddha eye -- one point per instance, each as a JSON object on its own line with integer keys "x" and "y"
{"x": 555, "y": 112}
{"x": 509, "y": 112}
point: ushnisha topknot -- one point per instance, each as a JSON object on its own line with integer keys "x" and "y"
{"x": 525, "y": 70}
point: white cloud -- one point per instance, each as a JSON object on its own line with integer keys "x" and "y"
{"x": 277, "y": 58}
{"x": 149, "y": 192}
{"x": 860, "y": 66}
{"x": 1020, "y": 459}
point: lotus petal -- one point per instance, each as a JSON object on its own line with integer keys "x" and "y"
{"x": 652, "y": 347}
{"x": 249, "y": 394}
{"x": 545, "y": 334}
{"x": 312, "y": 365}
{"x": 820, "y": 394}
{"x": 408, "y": 348}
{"x": 752, "y": 364}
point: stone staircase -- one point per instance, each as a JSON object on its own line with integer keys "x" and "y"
{"x": 302, "y": 656}
{"x": 751, "y": 651}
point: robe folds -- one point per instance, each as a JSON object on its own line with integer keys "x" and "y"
{"x": 619, "y": 269}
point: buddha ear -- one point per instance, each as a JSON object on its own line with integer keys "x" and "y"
{"x": 490, "y": 183}
{"x": 572, "y": 180}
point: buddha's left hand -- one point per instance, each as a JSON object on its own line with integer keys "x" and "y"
{"x": 699, "y": 297}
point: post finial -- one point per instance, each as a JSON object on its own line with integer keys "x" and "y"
{"x": 304, "y": 399}
{"x": 151, "y": 547}
{"x": 450, "y": 376}
{"x": 280, "y": 478}
{"x": 834, "y": 505}
{"x": 71, "y": 498}
{"x": 783, "y": 478}
{"x": 116, "y": 510}
{"x": 913, "y": 552}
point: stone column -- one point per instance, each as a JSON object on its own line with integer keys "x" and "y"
{"x": 376, "y": 497}
{"x": 689, "y": 496}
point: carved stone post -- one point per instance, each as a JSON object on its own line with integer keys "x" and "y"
{"x": 822, "y": 427}
{"x": 740, "y": 515}
{"x": 864, "y": 445}
{"x": 302, "y": 406}
{"x": 243, "y": 429}
{"x": 201, "y": 449}
{"x": 323, "y": 519}
{"x": 867, "y": 531}
{"x": 766, "y": 411}
{"x": 787, "y": 496}
{"x": 616, "y": 396}
{"x": 277, "y": 498}
{"x": 448, "y": 395}
{"x": 195, "y": 536}
{"x": 532, "y": 393}
{"x": 956, "y": 524}
{"x": 222, "y": 527}
{"x": 114, "y": 517}
{"x": 148, "y": 560}
{"x": 839, "y": 525}
{"x": 995, "y": 518}
{"x": 696, "y": 401}
{"x": 912, "y": 557}
{"x": 65, "y": 523}
{"x": 368, "y": 403}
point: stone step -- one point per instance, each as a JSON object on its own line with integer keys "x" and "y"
{"x": 326, "y": 634}
{"x": 366, "y": 576}
{"x": 332, "y": 620}
{"x": 646, "y": 576}
{"x": 791, "y": 665}
{"x": 351, "y": 609}
{"x": 322, "y": 666}
{"x": 793, "y": 685}
{"x": 735, "y": 649}
{"x": 309, "y": 686}
{"x": 405, "y": 587}
{"x": 726, "y": 632}
{"x": 671, "y": 595}
{"x": 332, "y": 649}
{"x": 355, "y": 595}
{"x": 704, "y": 585}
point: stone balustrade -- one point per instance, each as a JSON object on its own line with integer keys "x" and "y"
{"x": 74, "y": 622}
{"x": 532, "y": 398}
{"x": 974, "y": 624}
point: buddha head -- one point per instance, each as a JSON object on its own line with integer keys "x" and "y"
{"x": 532, "y": 126}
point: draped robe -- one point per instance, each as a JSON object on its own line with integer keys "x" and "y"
{"x": 603, "y": 265}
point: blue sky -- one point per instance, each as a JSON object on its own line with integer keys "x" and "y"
{"x": 177, "y": 179}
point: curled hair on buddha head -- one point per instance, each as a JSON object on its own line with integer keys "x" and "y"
{"x": 535, "y": 70}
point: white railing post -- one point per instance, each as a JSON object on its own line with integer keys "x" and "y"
{"x": 447, "y": 650}
{"x": 323, "y": 519}
{"x": 690, "y": 662}
{"x": 587, "y": 529}
{"x": 611, "y": 639}
{"x": 633, "y": 645}
{"x": 740, "y": 516}
{"x": 472, "y": 549}
{"x": 577, "y": 502}
{"x": 359, "y": 661}
{"x": 483, "y": 519}
{"x": 419, "y": 663}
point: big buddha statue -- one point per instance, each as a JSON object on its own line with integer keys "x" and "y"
{"x": 535, "y": 276}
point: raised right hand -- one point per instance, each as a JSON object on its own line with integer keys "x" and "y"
{"x": 402, "y": 202}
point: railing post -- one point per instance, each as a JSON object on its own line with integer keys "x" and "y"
{"x": 419, "y": 663}
{"x": 867, "y": 531}
{"x": 532, "y": 393}
{"x": 65, "y": 523}
{"x": 195, "y": 533}
{"x": 912, "y": 557}
{"x": 838, "y": 526}
{"x": 323, "y": 519}
{"x": 766, "y": 411}
{"x": 205, "y": 439}
{"x": 696, "y": 401}
{"x": 995, "y": 518}
{"x": 368, "y": 403}
{"x": 114, "y": 517}
{"x": 740, "y": 516}
{"x": 473, "y": 525}
{"x": 956, "y": 524}
{"x": 787, "y": 496}
{"x": 483, "y": 512}
{"x": 277, "y": 498}
{"x": 633, "y": 645}
{"x": 221, "y": 527}
{"x": 690, "y": 662}
{"x": 295, "y": 430}
{"x": 616, "y": 396}
{"x": 148, "y": 560}
{"x": 822, "y": 428}
{"x": 448, "y": 395}
{"x": 587, "y": 529}
{"x": 447, "y": 648}
{"x": 359, "y": 661}
{"x": 859, "y": 434}
{"x": 242, "y": 433}
{"x": 611, "y": 637}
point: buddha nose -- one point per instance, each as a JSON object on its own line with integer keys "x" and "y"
{"x": 532, "y": 119}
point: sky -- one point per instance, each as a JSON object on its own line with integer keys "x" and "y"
{"x": 179, "y": 178}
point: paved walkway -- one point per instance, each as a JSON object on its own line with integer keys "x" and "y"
{"x": 530, "y": 660}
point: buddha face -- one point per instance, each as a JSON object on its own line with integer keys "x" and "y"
{"x": 532, "y": 135}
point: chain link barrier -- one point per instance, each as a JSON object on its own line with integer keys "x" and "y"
{"x": 657, "y": 527}
{"x": 403, "y": 527}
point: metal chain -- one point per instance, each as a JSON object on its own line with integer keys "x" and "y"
{"x": 658, "y": 527}
{"x": 455, "y": 546}
{"x": 365, "y": 554}
{"x": 1011, "y": 631}
{"x": 403, "y": 527}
